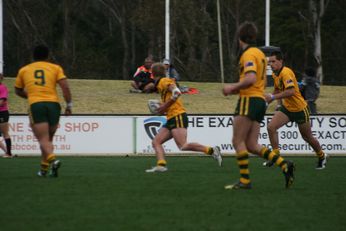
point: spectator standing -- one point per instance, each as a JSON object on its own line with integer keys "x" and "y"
{"x": 4, "y": 118}
{"x": 143, "y": 81}
{"x": 311, "y": 89}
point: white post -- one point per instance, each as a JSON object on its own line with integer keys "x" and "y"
{"x": 167, "y": 35}
{"x": 1, "y": 40}
{"x": 267, "y": 29}
{"x": 220, "y": 41}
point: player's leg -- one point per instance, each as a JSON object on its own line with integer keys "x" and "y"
{"x": 161, "y": 137}
{"x": 8, "y": 144}
{"x": 255, "y": 148}
{"x": 4, "y": 128}
{"x": 39, "y": 120}
{"x": 241, "y": 127}
{"x": 2, "y": 146}
{"x": 279, "y": 119}
{"x": 51, "y": 158}
{"x": 180, "y": 137}
{"x": 41, "y": 132}
{"x": 305, "y": 131}
{"x": 54, "y": 110}
{"x": 287, "y": 167}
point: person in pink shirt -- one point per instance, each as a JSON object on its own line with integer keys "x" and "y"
{"x": 4, "y": 117}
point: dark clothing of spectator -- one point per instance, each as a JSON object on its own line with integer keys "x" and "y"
{"x": 143, "y": 77}
{"x": 143, "y": 81}
{"x": 172, "y": 73}
{"x": 310, "y": 89}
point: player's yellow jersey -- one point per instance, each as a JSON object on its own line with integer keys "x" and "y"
{"x": 39, "y": 80}
{"x": 176, "y": 108}
{"x": 287, "y": 79}
{"x": 253, "y": 60}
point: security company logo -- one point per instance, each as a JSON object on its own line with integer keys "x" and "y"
{"x": 153, "y": 125}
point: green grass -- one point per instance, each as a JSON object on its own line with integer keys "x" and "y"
{"x": 113, "y": 97}
{"x": 114, "y": 193}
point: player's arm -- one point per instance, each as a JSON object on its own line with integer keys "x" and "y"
{"x": 278, "y": 101}
{"x": 281, "y": 95}
{"x": 19, "y": 86}
{"x": 66, "y": 94}
{"x": 21, "y": 92}
{"x": 176, "y": 93}
{"x": 250, "y": 79}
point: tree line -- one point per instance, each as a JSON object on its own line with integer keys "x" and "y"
{"x": 108, "y": 39}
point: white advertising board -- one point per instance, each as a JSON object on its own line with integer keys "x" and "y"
{"x": 217, "y": 130}
{"x": 84, "y": 135}
{"x": 119, "y": 135}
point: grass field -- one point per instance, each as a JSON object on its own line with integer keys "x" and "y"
{"x": 114, "y": 193}
{"x": 113, "y": 97}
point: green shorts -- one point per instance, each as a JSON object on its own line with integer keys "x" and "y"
{"x": 252, "y": 107}
{"x": 45, "y": 112}
{"x": 179, "y": 121}
{"x": 299, "y": 117}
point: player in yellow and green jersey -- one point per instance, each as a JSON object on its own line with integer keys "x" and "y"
{"x": 177, "y": 122}
{"x": 37, "y": 82}
{"x": 292, "y": 107}
{"x": 250, "y": 109}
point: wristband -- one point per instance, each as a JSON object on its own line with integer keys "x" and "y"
{"x": 175, "y": 93}
{"x": 69, "y": 104}
{"x": 272, "y": 96}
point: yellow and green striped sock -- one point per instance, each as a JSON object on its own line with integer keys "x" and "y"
{"x": 275, "y": 157}
{"x": 243, "y": 163}
{"x": 44, "y": 166}
{"x": 51, "y": 158}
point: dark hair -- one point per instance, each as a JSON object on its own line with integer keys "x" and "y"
{"x": 41, "y": 52}
{"x": 247, "y": 32}
{"x": 278, "y": 54}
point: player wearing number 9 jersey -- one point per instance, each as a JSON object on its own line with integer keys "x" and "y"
{"x": 37, "y": 82}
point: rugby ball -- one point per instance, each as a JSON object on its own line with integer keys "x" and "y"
{"x": 153, "y": 105}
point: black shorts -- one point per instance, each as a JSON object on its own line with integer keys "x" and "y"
{"x": 45, "y": 112}
{"x": 4, "y": 116}
{"x": 299, "y": 117}
{"x": 252, "y": 107}
{"x": 179, "y": 121}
